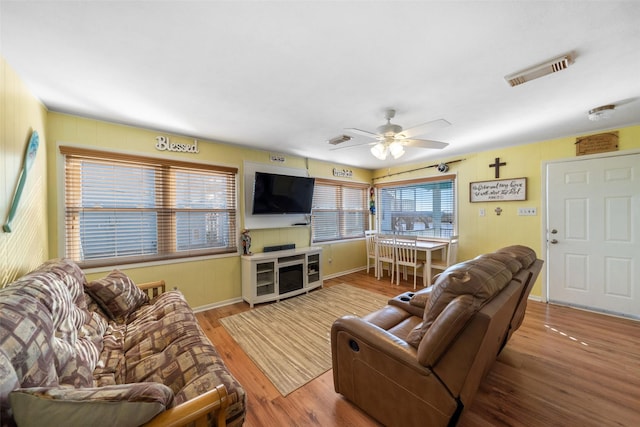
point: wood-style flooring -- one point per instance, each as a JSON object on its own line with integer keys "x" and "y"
{"x": 563, "y": 367}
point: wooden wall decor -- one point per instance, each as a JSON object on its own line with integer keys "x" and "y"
{"x": 600, "y": 143}
{"x": 29, "y": 158}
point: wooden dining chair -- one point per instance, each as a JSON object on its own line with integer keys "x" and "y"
{"x": 385, "y": 246}
{"x": 370, "y": 241}
{"x": 407, "y": 256}
{"x": 451, "y": 256}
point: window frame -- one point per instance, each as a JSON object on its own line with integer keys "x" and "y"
{"x": 453, "y": 178}
{"x": 167, "y": 236}
{"x": 341, "y": 211}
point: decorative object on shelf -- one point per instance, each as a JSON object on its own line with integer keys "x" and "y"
{"x": 29, "y": 158}
{"x": 498, "y": 191}
{"x": 498, "y": 210}
{"x": 601, "y": 113}
{"x": 246, "y": 242}
{"x": 497, "y": 165}
{"x": 600, "y": 143}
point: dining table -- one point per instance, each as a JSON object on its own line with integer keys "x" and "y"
{"x": 428, "y": 247}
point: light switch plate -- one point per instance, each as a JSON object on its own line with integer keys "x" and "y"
{"x": 527, "y": 211}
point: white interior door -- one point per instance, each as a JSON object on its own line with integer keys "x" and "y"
{"x": 593, "y": 221}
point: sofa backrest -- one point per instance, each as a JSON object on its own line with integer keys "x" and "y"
{"x": 48, "y": 337}
{"x": 459, "y": 292}
{"x": 472, "y": 352}
{"x": 468, "y": 315}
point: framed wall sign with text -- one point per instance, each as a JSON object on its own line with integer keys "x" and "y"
{"x": 498, "y": 190}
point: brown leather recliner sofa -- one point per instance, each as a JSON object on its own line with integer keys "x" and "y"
{"x": 420, "y": 359}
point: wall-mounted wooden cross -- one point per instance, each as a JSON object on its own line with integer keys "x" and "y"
{"x": 497, "y": 165}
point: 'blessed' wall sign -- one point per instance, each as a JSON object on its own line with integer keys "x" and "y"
{"x": 163, "y": 144}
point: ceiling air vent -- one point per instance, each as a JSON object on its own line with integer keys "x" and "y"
{"x": 553, "y": 66}
{"x": 340, "y": 139}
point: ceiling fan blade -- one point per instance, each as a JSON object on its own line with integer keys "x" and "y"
{"x": 424, "y": 143}
{"x": 424, "y": 128}
{"x": 363, "y": 133}
{"x": 343, "y": 146}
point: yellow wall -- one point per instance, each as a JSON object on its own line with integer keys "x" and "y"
{"x": 209, "y": 282}
{"x": 25, "y": 247}
{"x": 485, "y": 234}
{"x": 203, "y": 282}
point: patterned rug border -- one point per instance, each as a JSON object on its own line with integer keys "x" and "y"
{"x": 291, "y": 352}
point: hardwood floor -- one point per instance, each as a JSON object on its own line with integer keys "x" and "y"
{"x": 563, "y": 367}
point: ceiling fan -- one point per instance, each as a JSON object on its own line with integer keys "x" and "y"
{"x": 391, "y": 138}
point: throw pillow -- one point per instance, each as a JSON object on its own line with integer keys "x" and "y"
{"x": 121, "y": 405}
{"x": 117, "y": 295}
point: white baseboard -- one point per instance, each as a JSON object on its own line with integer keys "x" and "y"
{"x": 239, "y": 299}
{"x": 342, "y": 273}
{"x": 217, "y": 304}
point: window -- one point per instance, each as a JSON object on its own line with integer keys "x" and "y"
{"x": 424, "y": 208}
{"x": 340, "y": 210}
{"x": 123, "y": 209}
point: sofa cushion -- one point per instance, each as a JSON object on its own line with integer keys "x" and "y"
{"x": 70, "y": 274}
{"x": 117, "y": 295}
{"x": 122, "y": 405}
{"x": 445, "y": 328}
{"x": 164, "y": 343}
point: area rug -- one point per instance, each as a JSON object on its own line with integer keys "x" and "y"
{"x": 290, "y": 341}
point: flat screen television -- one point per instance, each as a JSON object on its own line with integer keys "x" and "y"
{"x": 282, "y": 194}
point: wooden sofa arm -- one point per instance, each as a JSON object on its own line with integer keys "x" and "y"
{"x": 196, "y": 411}
{"x": 153, "y": 289}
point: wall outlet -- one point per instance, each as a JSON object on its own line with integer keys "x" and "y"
{"x": 482, "y": 212}
{"x": 527, "y": 211}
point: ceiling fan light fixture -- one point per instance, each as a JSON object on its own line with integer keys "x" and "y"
{"x": 380, "y": 151}
{"x": 396, "y": 149}
{"x": 601, "y": 113}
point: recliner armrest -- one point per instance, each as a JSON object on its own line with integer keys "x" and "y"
{"x": 412, "y": 302}
{"x": 363, "y": 332}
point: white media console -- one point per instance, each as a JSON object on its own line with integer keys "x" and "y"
{"x": 271, "y": 276}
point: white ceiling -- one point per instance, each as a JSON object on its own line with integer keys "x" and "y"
{"x": 288, "y": 76}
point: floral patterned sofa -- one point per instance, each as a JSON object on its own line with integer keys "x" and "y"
{"x": 104, "y": 354}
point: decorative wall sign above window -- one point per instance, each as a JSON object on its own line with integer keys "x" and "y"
{"x": 343, "y": 173}
{"x": 499, "y": 190}
{"x": 163, "y": 144}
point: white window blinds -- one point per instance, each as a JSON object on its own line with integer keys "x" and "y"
{"x": 123, "y": 209}
{"x": 424, "y": 208}
{"x": 340, "y": 210}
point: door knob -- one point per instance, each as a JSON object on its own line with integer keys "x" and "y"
{"x": 554, "y": 241}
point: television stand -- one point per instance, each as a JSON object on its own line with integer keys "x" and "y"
{"x": 272, "y": 276}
